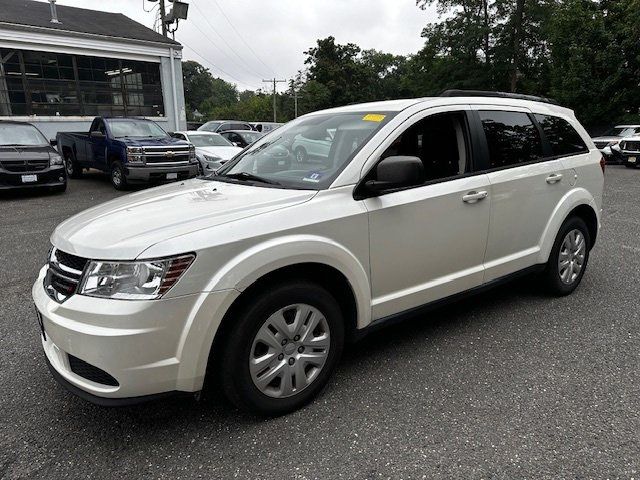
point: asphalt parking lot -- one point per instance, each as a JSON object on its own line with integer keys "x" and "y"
{"x": 512, "y": 384}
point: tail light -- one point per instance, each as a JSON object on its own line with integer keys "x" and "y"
{"x": 603, "y": 164}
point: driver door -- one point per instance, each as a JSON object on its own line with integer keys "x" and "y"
{"x": 427, "y": 242}
{"x": 98, "y": 146}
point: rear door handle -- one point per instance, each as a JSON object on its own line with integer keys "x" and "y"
{"x": 554, "y": 178}
{"x": 473, "y": 197}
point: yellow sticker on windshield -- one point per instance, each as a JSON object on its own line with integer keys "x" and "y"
{"x": 373, "y": 117}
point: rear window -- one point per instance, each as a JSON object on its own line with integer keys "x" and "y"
{"x": 512, "y": 138}
{"x": 561, "y": 135}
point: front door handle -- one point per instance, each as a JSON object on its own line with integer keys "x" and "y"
{"x": 474, "y": 197}
{"x": 554, "y": 178}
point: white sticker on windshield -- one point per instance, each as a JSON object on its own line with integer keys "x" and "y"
{"x": 313, "y": 177}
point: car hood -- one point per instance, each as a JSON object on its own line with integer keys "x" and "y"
{"x": 123, "y": 228}
{"x": 225, "y": 153}
{"x": 606, "y": 139}
{"x": 153, "y": 142}
{"x": 25, "y": 153}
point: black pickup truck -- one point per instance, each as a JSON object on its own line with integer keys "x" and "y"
{"x": 28, "y": 160}
{"x": 129, "y": 150}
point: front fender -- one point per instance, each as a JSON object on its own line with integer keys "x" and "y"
{"x": 574, "y": 198}
{"x": 249, "y": 266}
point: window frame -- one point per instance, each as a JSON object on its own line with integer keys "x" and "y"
{"x": 483, "y": 147}
{"x": 361, "y": 193}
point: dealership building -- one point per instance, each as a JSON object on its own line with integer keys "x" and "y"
{"x": 61, "y": 66}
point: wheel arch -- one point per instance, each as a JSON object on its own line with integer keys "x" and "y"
{"x": 577, "y": 202}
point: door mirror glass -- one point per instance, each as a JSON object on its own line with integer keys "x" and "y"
{"x": 397, "y": 172}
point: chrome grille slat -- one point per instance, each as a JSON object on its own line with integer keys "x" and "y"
{"x": 63, "y": 275}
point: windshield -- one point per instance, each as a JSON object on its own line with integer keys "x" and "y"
{"x": 250, "y": 137}
{"x": 622, "y": 131}
{"x": 135, "y": 128}
{"x": 209, "y": 140}
{"x": 15, "y": 134}
{"x": 210, "y": 126}
{"x": 308, "y": 153}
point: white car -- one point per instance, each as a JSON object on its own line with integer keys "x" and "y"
{"x": 212, "y": 149}
{"x": 258, "y": 275}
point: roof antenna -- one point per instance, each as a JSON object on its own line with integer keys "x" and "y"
{"x": 54, "y": 12}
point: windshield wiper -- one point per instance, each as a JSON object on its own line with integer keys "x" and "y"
{"x": 246, "y": 176}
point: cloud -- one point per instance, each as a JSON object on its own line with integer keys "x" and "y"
{"x": 279, "y": 31}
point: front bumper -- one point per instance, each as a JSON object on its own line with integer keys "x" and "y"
{"x": 50, "y": 177}
{"x": 150, "y": 348}
{"x": 159, "y": 173}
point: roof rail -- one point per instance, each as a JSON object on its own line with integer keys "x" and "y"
{"x": 481, "y": 93}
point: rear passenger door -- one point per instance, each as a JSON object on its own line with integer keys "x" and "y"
{"x": 527, "y": 183}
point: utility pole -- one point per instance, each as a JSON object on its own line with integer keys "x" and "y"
{"x": 295, "y": 103}
{"x": 275, "y": 117}
{"x": 163, "y": 18}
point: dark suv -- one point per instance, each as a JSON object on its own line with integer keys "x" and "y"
{"x": 27, "y": 159}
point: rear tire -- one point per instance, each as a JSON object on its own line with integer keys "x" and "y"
{"x": 296, "y": 359}
{"x": 569, "y": 257}
{"x": 116, "y": 174}
{"x": 73, "y": 168}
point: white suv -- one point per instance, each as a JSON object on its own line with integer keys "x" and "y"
{"x": 258, "y": 276}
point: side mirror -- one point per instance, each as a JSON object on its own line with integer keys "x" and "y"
{"x": 53, "y": 142}
{"x": 397, "y": 172}
{"x": 97, "y": 134}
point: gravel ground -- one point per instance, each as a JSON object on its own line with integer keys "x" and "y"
{"x": 511, "y": 384}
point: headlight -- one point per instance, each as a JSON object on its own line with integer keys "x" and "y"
{"x": 55, "y": 159}
{"x": 144, "y": 280}
{"x": 212, "y": 158}
{"x": 134, "y": 154}
{"x": 192, "y": 154}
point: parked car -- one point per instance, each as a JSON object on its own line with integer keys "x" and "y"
{"x": 609, "y": 143}
{"x": 266, "y": 127}
{"x": 128, "y": 149}
{"x": 310, "y": 146}
{"x": 260, "y": 274}
{"x": 212, "y": 149}
{"x": 27, "y": 159}
{"x": 242, "y": 138}
{"x": 219, "y": 126}
{"x": 630, "y": 151}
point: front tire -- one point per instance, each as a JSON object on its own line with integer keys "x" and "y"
{"x": 282, "y": 349}
{"x": 73, "y": 168}
{"x": 116, "y": 174}
{"x": 569, "y": 257}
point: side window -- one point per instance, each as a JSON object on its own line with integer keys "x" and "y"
{"x": 94, "y": 125}
{"x": 179, "y": 136}
{"x": 512, "y": 138}
{"x": 561, "y": 135}
{"x": 224, "y": 127}
{"x": 440, "y": 141}
{"x": 241, "y": 126}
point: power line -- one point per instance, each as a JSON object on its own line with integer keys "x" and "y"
{"x": 250, "y": 70}
{"x": 220, "y": 50}
{"x": 242, "y": 38}
{"x": 252, "y": 87}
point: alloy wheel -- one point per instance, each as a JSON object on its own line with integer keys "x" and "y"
{"x": 571, "y": 257}
{"x": 289, "y": 350}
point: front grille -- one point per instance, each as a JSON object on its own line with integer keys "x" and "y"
{"x": 24, "y": 166}
{"x": 631, "y": 145}
{"x": 88, "y": 371}
{"x": 164, "y": 155}
{"x": 63, "y": 274}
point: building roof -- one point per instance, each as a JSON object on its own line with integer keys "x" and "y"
{"x": 29, "y": 13}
